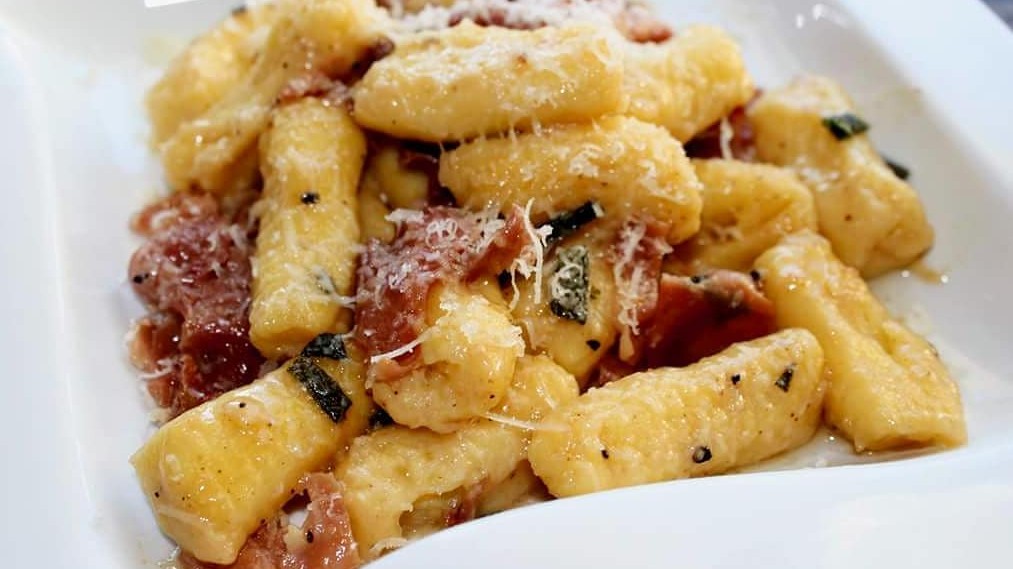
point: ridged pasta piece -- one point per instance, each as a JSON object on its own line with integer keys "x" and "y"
{"x": 403, "y": 188}
{"x": 310, "y": 36}
{"x": 208, "y": 68}
{"x": 468, "y": 354}
{"x": 469, "y": 80}
{"x": 311, "y": 158}
{"x": 747, "y": 208}
{"x": 687, "y": 83}
{"x": 888, "y": 389}
{"x": 215, "y": 473}
{"x": 577, "y": 347}
{"x": 874, "y": 220}
{"x": 629, "y": 167}
{"x": 389, "y": 471}
{"x": 750, "y": 402}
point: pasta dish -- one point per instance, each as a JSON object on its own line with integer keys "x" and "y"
{"x": 424, "y": 261}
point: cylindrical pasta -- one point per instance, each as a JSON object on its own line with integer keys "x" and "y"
{"x": 388, "y": 471}
{"x": 469, "y": 80}
{"x": 874, "y": 220}
{"x": 216, "y": 472}
{"x": 306, "y": 249}
{"x": 888, "y": 389}
{"x": 687, "y": 83}
{"x": 208, "y": 68}
{"x": 751, "y": 401}
{"x": 310, "y": 36}
{"x": 468, "y": 355}
{"x": 629, "y": 167}
{"x": 747, "y": 208}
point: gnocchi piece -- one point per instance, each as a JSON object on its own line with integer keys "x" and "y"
{"x": 888, "y": 389}
{"x": 402, "y": 188}
{"x": 687, "y": 83}
{"x": 468, "y": 352}
{"x": 390, "y": 471}
{"x": 522, "y": 487}
{"x": 629, "y": 167}
{"x": 215, "y": 472}
{"x": 576, "y": 346}
{"x": 306, "y": 248}
{"x": 207, "y": 69}
{"x": 373, "y": 212}
{"x": 469, "y": 80}
{"x": 874, "y": 220}
{"x": 310, "y": 36}
{"x": 747, "y": 208}
{"x": 750, "y": 402}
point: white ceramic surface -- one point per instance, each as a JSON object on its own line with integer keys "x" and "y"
{"x": 935, "y": 79}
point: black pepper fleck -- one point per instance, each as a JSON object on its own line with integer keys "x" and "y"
{"x": 736, "y": 378}
{"x": 701, "y": 455}
{"x": 309, "y": 198}
{"x": 242, "y": 404}
{"x": 309, "y": 536}
{"x": 157, "y": 495}
{"x": 696, "y": 279}
{"x": 594, "y": 344}
{"x": 139, "y": 278}
{"x": 784, "y": 382}
{"x": 755, "y": 275}
{"x": 605, "y": 453}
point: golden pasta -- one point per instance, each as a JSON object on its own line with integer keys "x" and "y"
{"x": 207, "y": 69}
{"x": 468, "y": 80}
{"x": 310, "y": 36}
{"x": 687, "y": 83}
{"x": 214, "y": 473}
{"x": 627, "y": 166}
{"x": 888, "y": 388}
{"x": 750, "y": 402}
{"x": 389, "y": 471}
{"x": 424, "y": 261}
{"x": 874, "y": 220}
{"x": 305, "y": 261}
{"x": 747, "y": 208}
{"x": 468, "y": 352}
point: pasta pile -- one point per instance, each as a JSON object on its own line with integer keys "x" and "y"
{"x": 431, "y": 260}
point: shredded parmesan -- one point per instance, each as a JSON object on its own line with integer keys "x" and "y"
{"x": 725, "y": 139}
{"x": 520, "y": 424}
{"x": 405, "y": 349}
{"x": 531, "y": 260}
{"x": 387, "y": 544}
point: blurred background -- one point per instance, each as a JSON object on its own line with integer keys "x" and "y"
{"x": 1004, "y": 8}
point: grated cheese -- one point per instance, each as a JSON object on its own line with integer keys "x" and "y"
{"x": 387, "y": 544}
{"x": 524, "y": 265}
{"x": 405, "y": 349}
{"x": 725, "y": 139}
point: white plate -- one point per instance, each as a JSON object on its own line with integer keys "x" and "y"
{"x": 934, "y": 77}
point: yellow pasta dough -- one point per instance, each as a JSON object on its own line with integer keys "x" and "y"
{"x": 213, "y": 474}
{"x": 629, "y": 167}
{"x": 388, "y": 471}
{"x": 306, "y": 249}
{"x": 747, "y": 208}
{"x": 687, "y": 83}
{"x": 469, "y": 80}
{"x": 207, "y": 69}
{"x": 751, "y": 401}
{"x": 310, "y": 36}
{"x": 468, "y": 352}
{"x": 874, "y": 220}
{"x": 888, "y": 388}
